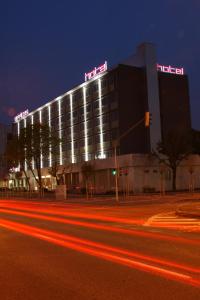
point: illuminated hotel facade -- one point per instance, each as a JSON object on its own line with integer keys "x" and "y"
{"x": 89, "y": 117}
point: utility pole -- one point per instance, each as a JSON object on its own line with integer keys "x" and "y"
{"x": 146, "y": 119}
{"x": 116, "y": 173}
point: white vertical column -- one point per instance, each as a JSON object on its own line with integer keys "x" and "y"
{"x": 41, "y": 156}
{"x": 18, "y": 128}
{"x": 102, "y": 155}
{"x": 50, "y": 147}
{"x": 72, "y": 128}
{"x": 25, "y": 163}
{"x": 60, "y": 132}
{"x": 32, "y": 122}
{"x": 18, "y": 132}
{"x": 85, "y": 124}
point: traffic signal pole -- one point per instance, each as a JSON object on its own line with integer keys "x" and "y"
{"x": 116, "y": 174}
{"x": 145, "y": 119}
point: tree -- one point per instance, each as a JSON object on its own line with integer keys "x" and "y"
{"x": 14, "y": 156}
{"x": 87, "y": 170}
{"x": 55, "y": 170}
{"x": 37, "y": 141}
{"x": 176, "y": 147}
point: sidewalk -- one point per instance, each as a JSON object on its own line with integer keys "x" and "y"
{"x": 189, "y": 210}
{"x": 188, "y": 203}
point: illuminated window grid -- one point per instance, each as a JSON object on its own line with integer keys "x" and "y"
{"x": 41, "y": 156}
{"x": 72, "y": 129}
{"x": 60, "y": 132}
{"x": 85, "y": 124}
{"x": 50, "y": 148}
{"x": 102, "y": 155}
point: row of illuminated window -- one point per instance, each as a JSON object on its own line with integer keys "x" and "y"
{"x": 91, "y": 141}
{"x": 80, "y": 157}
{"x": 78, "y": 114}
{"x": 93, "y": 121}
{"x": 92, "y": 107}
{"x": 78, "y": 99}
{"x": 65, "y": 122}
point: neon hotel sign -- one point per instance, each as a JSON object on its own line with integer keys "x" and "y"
{"x": 96, "y": 71}
{"x": 170, "y": 69}
{"x": 21, "y": 116}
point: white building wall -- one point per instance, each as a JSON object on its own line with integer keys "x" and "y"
{"x": 143, "y": 174}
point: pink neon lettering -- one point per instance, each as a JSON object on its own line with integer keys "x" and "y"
{"x": 96, "y": 71}
{"x": 178, "y": 71}
{"x": 171, "y": 70}
{"x": 166, "y": 69}
{"x": 159, "y": 67}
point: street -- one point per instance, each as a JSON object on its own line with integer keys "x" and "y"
{"x": 77, "y": 251}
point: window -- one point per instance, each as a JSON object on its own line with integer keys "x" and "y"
{"x": 88, "y": 108}
{"x": 75, "y": 113}
{"x": 81, "y": 111}
{"x": 96, "y": 104}
{"x": 114, "y": 115}
{"x": 105, "y": 118}
{"x": 97, "y": 121}
{"x": 105, "y": 100}
{"x": 104, "y": 83}
{"x": 95, "y": 87}
{"x": 81, "y": 126}
{"x": 82, "y": 143}
{"x": 88, "y": 91}
{"x": 90, "y": 141}
{"x": 106, "y": 136}
{"x": 90, "y": 124}
{"x": 97, "y": 139}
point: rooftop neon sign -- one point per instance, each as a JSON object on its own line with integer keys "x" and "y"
{"x": 96, "y": 71}
{"x": 170, "y": 69}
{"x": 21, "y": 115}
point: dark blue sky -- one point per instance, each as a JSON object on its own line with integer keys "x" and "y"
{"x": 46, "y": 46}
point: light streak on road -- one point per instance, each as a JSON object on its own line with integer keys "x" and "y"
{"x": 108, "y": 253}
{"x": 109, "y": 228}
{"x": 76, "y": 214}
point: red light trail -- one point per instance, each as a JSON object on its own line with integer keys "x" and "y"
{"x": 116, "y": 255}
{"x": 132, "y": 232}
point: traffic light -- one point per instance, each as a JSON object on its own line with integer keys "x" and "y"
{"x": 147, "y": 119}
{"x": 114, "y": 172}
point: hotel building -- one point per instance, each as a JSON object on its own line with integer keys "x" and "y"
{"x": 94, "y": 114}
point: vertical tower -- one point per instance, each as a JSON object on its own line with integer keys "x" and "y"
{"x": 146, "y": 57}
{"x": 149, "y": 55}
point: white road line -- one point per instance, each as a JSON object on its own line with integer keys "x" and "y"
{"x": 171, "y": 220}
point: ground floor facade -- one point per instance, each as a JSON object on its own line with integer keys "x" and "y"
{"x": 135, "y": 173}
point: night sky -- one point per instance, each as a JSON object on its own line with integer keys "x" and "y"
{"x": 46, "y": 46}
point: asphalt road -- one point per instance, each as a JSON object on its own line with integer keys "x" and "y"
{"x": 80, "y": 252}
